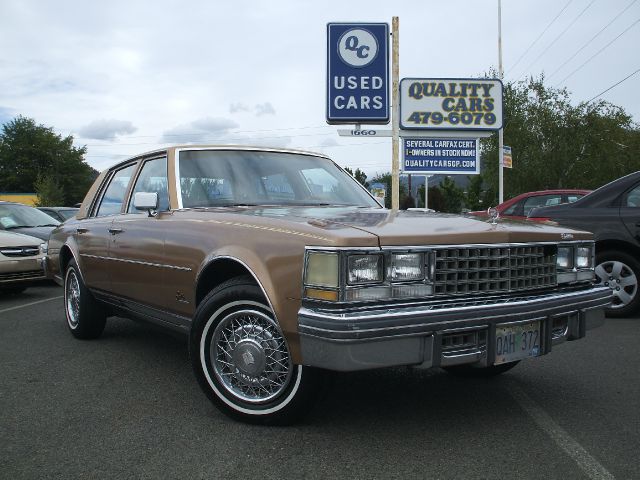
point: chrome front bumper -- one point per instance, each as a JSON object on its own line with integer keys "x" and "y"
{"x": 443, "y": 334}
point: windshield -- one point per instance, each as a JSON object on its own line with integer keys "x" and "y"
{"x": 213, "y": 178}
{"x": 17, "y": 216}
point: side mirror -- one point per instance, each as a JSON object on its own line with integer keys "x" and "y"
{"x": 146, "y": 201}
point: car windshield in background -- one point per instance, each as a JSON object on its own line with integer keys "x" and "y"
{"x": 215, "y": 178}
{"x": 17, "y": 216}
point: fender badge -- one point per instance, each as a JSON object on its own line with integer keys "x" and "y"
{"x": 566, "y": 236}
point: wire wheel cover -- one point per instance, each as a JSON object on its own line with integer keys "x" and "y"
{"x": 250, "y": 357}
{"x": 73, "y": 299}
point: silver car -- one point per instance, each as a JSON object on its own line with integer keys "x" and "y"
{"x": 21, "y": 261}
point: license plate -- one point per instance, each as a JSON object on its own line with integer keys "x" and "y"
{"x": 515, "y": 342}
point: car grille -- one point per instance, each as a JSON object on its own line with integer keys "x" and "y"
{"x": 32, "y": 274}
{"x": 19, "y": 251}
{"x": 463, "y": 271}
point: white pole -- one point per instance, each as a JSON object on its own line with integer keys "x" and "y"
{"x": 426, "y": 191}
{"x": 500, "y": 132}
{"x": 395, "y": 115}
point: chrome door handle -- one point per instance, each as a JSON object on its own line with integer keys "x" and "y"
{"x": 81, "y": 230}
{"x": 115, "y": 231}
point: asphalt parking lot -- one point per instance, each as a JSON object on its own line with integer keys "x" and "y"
{"x": 128, "y": 406}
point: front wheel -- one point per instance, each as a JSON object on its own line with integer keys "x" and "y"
{"x": 85, "y": 318}
{"x": 241, "y": 358}
{"x": 620, "y": 272}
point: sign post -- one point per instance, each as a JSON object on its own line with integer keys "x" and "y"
{"x": 395, "y": 123}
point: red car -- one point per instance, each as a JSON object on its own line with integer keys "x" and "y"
{"x": 520, "y": 206}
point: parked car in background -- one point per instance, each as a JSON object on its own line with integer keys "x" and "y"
{"x": 280, "y": 266}
{"x": 60, "y": 213}
{"x": 22, "y": 261}
{"x": 612, "y": 213}
{"x": 518, "y": 207}
{"x": 19, "y": 218}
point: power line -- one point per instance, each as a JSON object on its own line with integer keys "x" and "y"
{"x": 614, "y": 85}
{"x": 540, "y": 36}
{"x": 557, "y": 38}
{"x": 598, "y": 52}
{"x": 592, "y": 38}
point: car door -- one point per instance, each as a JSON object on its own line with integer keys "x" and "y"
{"x": 630, "y": 212}
{"x": 93, "y": 234}
{"x": 138, "y": 264}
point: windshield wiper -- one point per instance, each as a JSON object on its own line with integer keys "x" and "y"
{"x": 48, "y": 225}
{"x": 13, "y": 227}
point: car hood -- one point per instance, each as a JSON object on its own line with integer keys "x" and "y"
{"x": 419, "y": 228}
{"x": 12, "y": 239}
{"x": 39, "y": 232}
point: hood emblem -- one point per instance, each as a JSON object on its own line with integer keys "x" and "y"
{"x": 566, "y": 236}
{"x": 493, "y": 214}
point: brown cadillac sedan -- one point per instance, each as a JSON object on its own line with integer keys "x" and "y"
{"x": 281, "y": 267}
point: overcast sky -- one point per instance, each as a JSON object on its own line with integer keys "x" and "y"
{"x": 124, "y": 77}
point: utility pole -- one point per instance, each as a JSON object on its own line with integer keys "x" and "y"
{"x": 501, "y": 131}
{"x": 395, "y": 114}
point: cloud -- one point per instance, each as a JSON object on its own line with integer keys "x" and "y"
{"x": 329, "y": 142}
{"x": 106, "y": 129}
{"x": 238, "y": 107}
{"x": 264, "y": 109}
{"x": 260, "y": 109}
{"x": 203, "y": 130}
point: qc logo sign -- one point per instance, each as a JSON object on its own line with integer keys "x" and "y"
{"x": 357, "y": 73}
{"x": 358, "y": 47}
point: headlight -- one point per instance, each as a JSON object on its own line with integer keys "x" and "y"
{"x": 364, "y": 269}
{"x": 407, "y": 267}
{"x": 322, "y": 269}
{"x": 584, "y": 257}
{"x": 44, "y": 248}
{"x": 565, "y": 257}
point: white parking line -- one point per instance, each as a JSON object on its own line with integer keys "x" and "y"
{"x": 32, "y": 303}
{"x": 571, "y": 447}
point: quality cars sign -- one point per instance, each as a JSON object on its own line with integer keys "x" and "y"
{"x": 450, "y": 104}
{"x": 357, "y": 73}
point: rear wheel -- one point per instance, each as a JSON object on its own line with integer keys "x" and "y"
{"x": 620, "y": 272}
{"x": 85, "y": 318}
{"x": 471, "y": 371}
{"x": 241, "y": 358}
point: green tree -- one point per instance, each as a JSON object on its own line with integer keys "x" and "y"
{"x": 452, "y": 196}
{"x": 28, "y": 150}
{"x": 436, "y": 198}
{"x": 557, "y": 144}
{"x": 473, "y": 198}
{"x": 48, "y": 191}
{"x": 359, "y": 175}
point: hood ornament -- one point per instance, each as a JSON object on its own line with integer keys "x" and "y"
{"x": 493, "y": 214}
